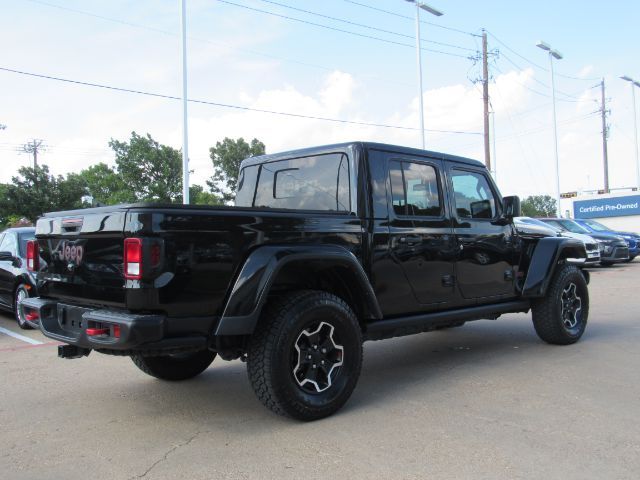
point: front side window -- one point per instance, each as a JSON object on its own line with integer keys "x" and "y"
{"x": 414, "y": 189}
{"x": 473, "y": 196}
{"x": 309, "y": 183}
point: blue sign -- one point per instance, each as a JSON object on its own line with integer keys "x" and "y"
{"x": 607, "y": 207}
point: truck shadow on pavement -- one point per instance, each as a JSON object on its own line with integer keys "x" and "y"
{"x": 394, "y": 371}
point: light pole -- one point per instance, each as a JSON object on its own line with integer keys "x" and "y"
{"x": 185, "y": 135}
{"x": 558, "y": 56}
{"x": 437, "y": 13}
{"x": 634, "y": 83}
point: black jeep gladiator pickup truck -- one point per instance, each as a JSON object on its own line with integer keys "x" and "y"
{"x": 325, "y": 248}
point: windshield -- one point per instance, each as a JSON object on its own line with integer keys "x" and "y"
{"x": 539, "y": 223}
{"x": 22, "y": 244}
{"x": 598, "y": 227}
{"x": 567, "y": 225}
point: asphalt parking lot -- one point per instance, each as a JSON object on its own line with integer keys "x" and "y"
{"x": 488, "y": 400}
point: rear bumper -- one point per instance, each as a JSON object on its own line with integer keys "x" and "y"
{"x": 118, "y": 332}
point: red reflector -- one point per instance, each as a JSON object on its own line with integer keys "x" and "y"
{"x": 116, "y": 331}
{"x": 33, "y": 256}
{"x": 133, "y": 258}
{"x": 32, "y": 315}
{"x": 92, "y": 332}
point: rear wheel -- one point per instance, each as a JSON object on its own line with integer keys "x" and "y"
{"x": 561, "y": 316}
{"x": 179, "y": 366}
{"x": 305, "y": 357}
{"x": 20, "y": 294}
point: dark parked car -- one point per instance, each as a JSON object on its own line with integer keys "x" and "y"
{"x": 632, "y": 239}
{"x": 613, "y": 248}
{"x": 16, "y": 282}
{"x": 325, "y": 248}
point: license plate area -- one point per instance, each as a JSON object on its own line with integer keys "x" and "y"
{"x": 70, "y": 318}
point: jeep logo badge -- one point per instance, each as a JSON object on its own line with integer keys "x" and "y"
{"x": 72, "y": 254}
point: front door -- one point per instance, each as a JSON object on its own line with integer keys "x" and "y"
{"x": 8, "y": 244}
{"x": 485, "y": 260}
{"x": 421, "y": 237}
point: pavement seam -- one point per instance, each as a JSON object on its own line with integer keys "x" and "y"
{"x": 166, "y": 455}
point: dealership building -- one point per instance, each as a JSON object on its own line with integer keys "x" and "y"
{"x": 616, "y": 210}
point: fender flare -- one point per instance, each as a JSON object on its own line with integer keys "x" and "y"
{"x": 259, "y": 271}
{"x": 544, "y": 260}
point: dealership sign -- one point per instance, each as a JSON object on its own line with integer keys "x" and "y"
{"x": 607, "y": 207}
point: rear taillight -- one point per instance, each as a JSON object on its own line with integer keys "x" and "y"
{"x": 133, "y": 258}
{"x": 33, "y": 256}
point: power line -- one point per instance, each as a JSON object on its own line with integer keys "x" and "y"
{"x": 226, "y": 105}
{"x": 349, "y": 22}
{"x": 204, "y": 40}
{"x": 537, "y": 65}
{"x": 335, "y": 29}
{"x": 536, "y": 91}
{"x": 411, "y": 18}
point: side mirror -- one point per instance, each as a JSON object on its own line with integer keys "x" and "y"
{"x": 511, "y": 207}
{"x": 6, "y": 257}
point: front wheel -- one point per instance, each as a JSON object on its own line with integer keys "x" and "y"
{"x": 20, "y": 294}
{"x": 305, "y": 357}
{"x": 561, "y": 316}
{"x": 179, "y": 366}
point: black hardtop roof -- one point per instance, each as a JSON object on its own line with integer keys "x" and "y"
{"x": 322, "y": 149}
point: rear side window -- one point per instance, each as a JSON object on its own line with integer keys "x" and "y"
{"x": 9, "y": 244}
{"x": 473, "y": 196}
{"x": 310, "y": 183}
{"x": 414, "y": 189}
{"x": 24, "y": 238}
{"x": 246, "y": 186}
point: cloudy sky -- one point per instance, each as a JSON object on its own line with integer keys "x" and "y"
{"x": 334, "y": 59}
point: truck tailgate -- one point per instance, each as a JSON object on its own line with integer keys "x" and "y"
{"x": 81, "y": 257}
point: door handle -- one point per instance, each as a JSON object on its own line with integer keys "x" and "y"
{"x": 411, "y": 239}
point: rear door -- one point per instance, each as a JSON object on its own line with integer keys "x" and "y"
{"x": 486, "y": 251}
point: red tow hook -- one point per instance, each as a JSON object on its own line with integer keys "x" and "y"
{"x": 92, "y": 332}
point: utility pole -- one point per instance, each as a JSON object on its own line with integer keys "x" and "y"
{"x": 33, "y": 148}
{"x": 605, "y": 134}
{"x": 485, "y": 99}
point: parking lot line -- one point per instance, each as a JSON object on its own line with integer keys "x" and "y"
{"x": 6, "y": 331}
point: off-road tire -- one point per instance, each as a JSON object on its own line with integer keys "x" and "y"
{"x": 17, "y": 312}
{"x": 273, "y": 349}
{"x": 547, "y": 312}
{"x": 180, "y": 366}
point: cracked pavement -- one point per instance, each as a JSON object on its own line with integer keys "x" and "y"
{"x": 488, "y": 400}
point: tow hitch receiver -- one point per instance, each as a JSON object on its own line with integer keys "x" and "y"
{"x": 71, "y": 351}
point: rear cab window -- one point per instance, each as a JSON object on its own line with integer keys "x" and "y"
{"x": 319, "y": 182}
{"x": 414, "y": 189}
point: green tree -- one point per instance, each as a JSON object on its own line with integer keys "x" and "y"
{"x": 149, "y": 170}
{"x": 35, "y": 191}
{"x": 197, "y": 196}
{"x": 539, "y": 206}
{"x": 105, "y": 185}
{"x": 226, "y": 157}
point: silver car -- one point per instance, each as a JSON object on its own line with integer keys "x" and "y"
{"x": 533, "y": 226}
